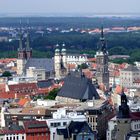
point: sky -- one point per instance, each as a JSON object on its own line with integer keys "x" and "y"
{"x": 69, "y": 6}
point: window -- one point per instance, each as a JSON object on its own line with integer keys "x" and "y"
{"x": 51, "y": 124}
{"x": 126, "y": 122}
{"x": 64, "y": 123}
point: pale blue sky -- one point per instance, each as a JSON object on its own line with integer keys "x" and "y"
{"x": 69, "y": 6}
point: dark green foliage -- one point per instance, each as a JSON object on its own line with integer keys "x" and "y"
{"x": 6, "y": 74}
{"x": 52, "y": 94}
{"x": 127, "y": 43}
{"x": 83, "y": 66}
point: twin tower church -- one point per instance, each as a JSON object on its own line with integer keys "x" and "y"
{"x": 58, "y": 67}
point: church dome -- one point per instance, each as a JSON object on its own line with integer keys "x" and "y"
{"x": 63, "y": 50}
{"x": 57, "y": 50}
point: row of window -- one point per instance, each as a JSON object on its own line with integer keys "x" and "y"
{"x": 15, "y": 138}
{"x": 137, "y": 126}
{"x": 38, "y": 134}
{"x": 58, "y": 124}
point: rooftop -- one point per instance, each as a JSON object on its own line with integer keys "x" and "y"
{"x": 77, "y": 86}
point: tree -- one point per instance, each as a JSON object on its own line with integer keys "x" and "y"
{"x": 83, "y": 66}
{"x": 6, "y": 74}
{"x": 52, "y": 94}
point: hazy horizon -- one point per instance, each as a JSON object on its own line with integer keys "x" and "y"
{"x": 58, "y": 7}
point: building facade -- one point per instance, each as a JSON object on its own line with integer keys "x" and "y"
{"x": 130, "y": 77}
{"x": 62, "y": 60}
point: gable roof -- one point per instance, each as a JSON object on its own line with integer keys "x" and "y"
{"x": 79, "y": 87}
{"x": 35, "y": 124}
{"x": 41, "y": 63}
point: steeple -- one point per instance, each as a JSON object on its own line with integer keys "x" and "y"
{"x": 102, "y": 43}
{"x": 102, "y": 73}
{"x": 21, "y": 50}
{"x": 28, "y": 49}
{"x": 123, "y": 108}
{"x": 102, "y": 32}
{"x": 20, "y": 41}
{"x": 28, "y": 42}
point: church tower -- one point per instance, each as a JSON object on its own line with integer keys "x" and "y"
{"x": 57, "y": 61}
{"x": 123, "y": 119}
{"x": 64, "y": 56}
{"x": 60, "y": 63}
{"x": 28, "y": 49}
{"x": 21, "y": 61}
{"x": 102, "y": 72}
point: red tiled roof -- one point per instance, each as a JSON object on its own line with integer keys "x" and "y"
{"x": 23, "y": 101}
{"x": 7, "y": 60}
{"x": 135, "y": 115}
{"x": 92, "y": 59}
{"x": 71, "y": 66}
{"x": 94, "y": 65}
{"x": 12, "y": 132}
{"x": 23, "y": 87}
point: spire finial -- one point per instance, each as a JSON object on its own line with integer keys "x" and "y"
{"x": 102, "y": 32}
{"x": 20, "y": 41}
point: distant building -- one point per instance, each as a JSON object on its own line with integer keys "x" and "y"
{"x": 102, "y": 72}
{"x": 39, "y": 68}
{"x": 63, "y": 61}
{"x": 119, "y": 57}
{"x": 130, "y": 77}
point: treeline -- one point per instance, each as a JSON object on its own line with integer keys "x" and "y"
{"x": 69, "y": 22}
{"x": 44, "y": 46}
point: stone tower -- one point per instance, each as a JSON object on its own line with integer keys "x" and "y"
{"x": 57, "y": 60}
{"x": 60, "y": 63}
{"x": 123, "y": 119}
{"x": 102, "y": 72}
{"x": 64, "y": 57}
{"x": 21, "y": 61}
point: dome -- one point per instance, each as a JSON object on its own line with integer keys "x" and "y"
{"x": 57, "y": 50}
{"x": 63, "y": 50}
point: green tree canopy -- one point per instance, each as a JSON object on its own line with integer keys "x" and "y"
{"x": 6, "y": 74}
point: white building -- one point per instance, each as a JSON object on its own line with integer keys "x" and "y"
{"x": 62, "y": 61}
{"x": 61, "y": 119}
